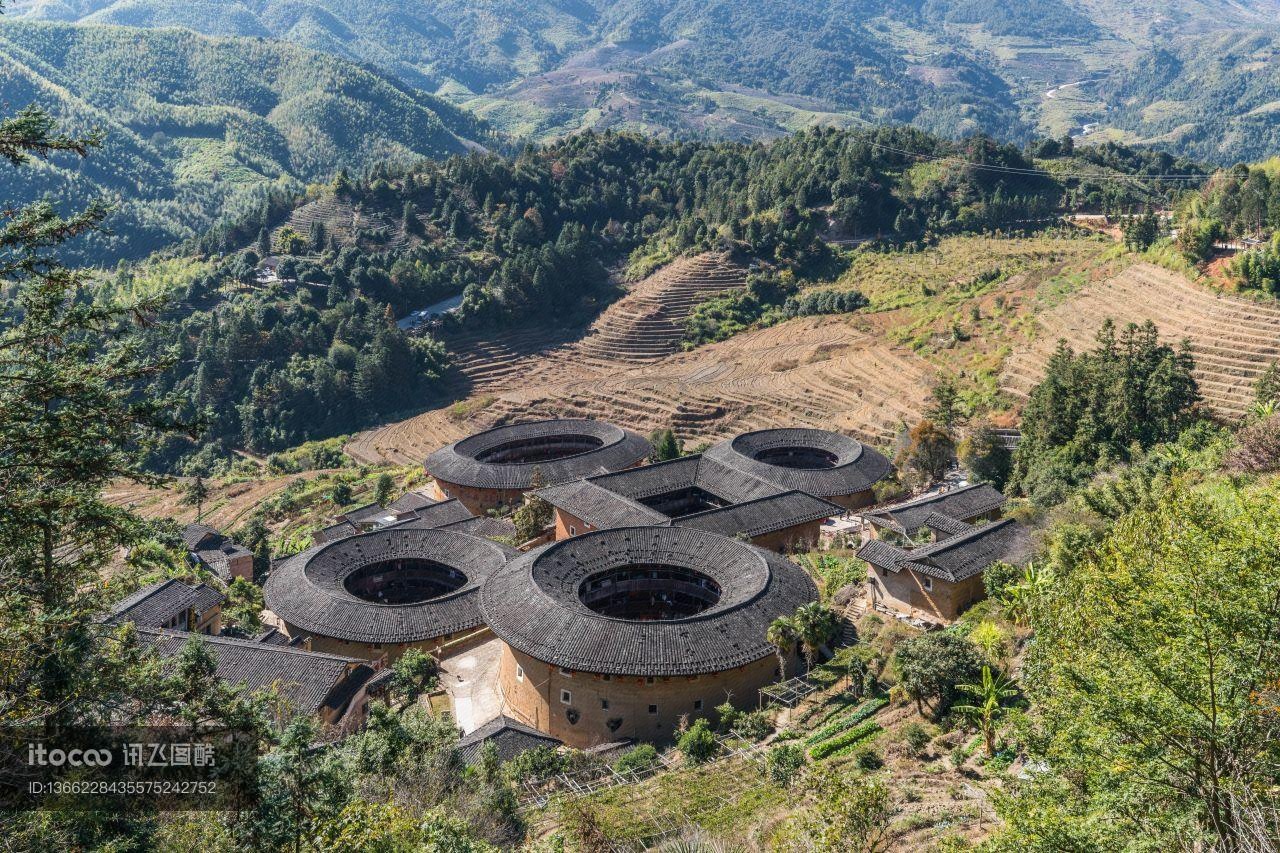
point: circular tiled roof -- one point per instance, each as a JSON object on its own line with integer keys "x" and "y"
{"x": 309, "y": 589}
{"x": 490, "y": 459}
{"x": 535, "y": 604}
{"x": 849, "y": 466}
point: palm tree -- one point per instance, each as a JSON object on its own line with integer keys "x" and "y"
{"x": 987, "y": 710}
{"x": 816, "y": 624}
{"x": 783, "y": 636}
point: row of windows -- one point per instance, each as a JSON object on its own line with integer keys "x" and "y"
{"x": 566, "y": 697}
{"x": 568, "y": 673}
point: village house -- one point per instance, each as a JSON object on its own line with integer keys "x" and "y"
{"x": 217, "y": 552}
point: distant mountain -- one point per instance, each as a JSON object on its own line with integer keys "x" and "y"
{"x": 1215, "y": 97}
{"x": 196, "y": 126}
{"x": 727, "y": 68}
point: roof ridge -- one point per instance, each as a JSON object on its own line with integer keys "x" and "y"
{"x": 219, "y": 639}
{"x": 960, "y": 539}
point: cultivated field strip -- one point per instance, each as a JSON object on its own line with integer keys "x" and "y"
{"x": 822, "y": 372}
{"x": 645, "y": 325}
{"x": 1233, "y": 339}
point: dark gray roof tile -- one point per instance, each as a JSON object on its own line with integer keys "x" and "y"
{"x": 762, "y": 515}
{"x": 820, "y": 462}
{"x": 482, "y": 460}
{"x": 511, "y": 737}
{"x": 156, "y": 605}
{"x": 962, "y": 504}
{"x": 308, "y": 589}
{"x": 306, "y": 680}
{"x": 533, "y": 603}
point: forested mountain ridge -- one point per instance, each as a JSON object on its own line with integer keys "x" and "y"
{"x": 1216, "y": 97}
{"x": 521, "y": 239}
{"x": 196, "y": 128}
{"x": 543, "y": 68}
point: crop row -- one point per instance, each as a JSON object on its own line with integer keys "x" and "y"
{"x": 847, "y": 721}
{"x": 845, "y": 742}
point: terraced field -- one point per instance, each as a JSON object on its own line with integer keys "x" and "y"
{"x": 1232, "y": 338}
{"x": 866, "y": 374}
{"x": 642, "y": 327}
{"x": 824, "y": 372}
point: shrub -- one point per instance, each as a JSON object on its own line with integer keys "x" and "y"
{"x": 698, "y": 744}
{"x": 917, "y": 738}
{"x": 784, "y": 762}
{"x": 754, "y": 725}
{"x": 868, "y": 759}
{"x": 640, "y": 758}
{"x": 727, "y": 716}
{"x": 534, "y": 765}
{"x": 998, "y": 577}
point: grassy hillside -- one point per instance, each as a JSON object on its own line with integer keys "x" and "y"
{"x": 197, "y": 126}
{"x": 722, "y": 69}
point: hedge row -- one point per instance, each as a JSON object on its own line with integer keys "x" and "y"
{"x": 846, "y": 741}
{"x": 847, "y": 721}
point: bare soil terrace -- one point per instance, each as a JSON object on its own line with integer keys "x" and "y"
{"x": 866, "y": 374}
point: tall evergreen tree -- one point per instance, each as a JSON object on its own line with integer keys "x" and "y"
{"x": 72, "y": 420}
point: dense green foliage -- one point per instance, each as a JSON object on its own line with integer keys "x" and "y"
{"x": 1095, "y": 409}
{"x": 197, "y": 129}
{"x": 931, "y": 665}
{"x": 767, "y": 299}
{"x": 514, "y": 235}
{"x": 1153, "y": 676}
{"x": 1211, "y": 97}
{"x": 70, "y": 424}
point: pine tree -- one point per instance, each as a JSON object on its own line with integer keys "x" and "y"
{"x": 71, "y": 421}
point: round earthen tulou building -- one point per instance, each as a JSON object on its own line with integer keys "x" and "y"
{"x": 620, "y": 633}
{"x": 818, "y": 462}
{"x": 380, "y": 593}
{"x": 496, "y": 467}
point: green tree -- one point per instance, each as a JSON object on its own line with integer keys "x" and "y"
{"x": 244, "y": 605}
{"x": 665, "y": 445}
{"x": 1131, "y": 391}
{"x": 382, "y": 489}
{"x": 816, "y": 625}
{"x": 414, "y": 673}
{"x": 783, "y": 634}
{"x": 535, "y": 514}
{"x": 928, "y": 452}
{"x": 784, "y": 762}
{"x": 984, "y": 454}
{"x": 1140, "y": 232}
{"x": 931, "y": 665}
{"x": 987, "y": 708}
{"x": 1153, "y": 678}
{"x": 290, "y": 242}
{"x": 71, "y": 422}
{"x": 946, "y": 408}
{"x": 1267, "y": 387}
{"x": 698, "y": 744}
{"x": 341, "y": 493}
{"x": 196, "y": 493}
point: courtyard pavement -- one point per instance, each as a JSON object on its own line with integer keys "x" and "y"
{"x": 471, "y": 680}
